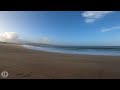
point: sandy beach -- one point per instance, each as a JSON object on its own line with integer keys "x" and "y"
{"x": 22, "y": 63}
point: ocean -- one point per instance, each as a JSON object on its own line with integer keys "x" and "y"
{"x": 87, "y": 50}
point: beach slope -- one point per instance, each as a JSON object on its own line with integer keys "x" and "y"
{"x": 22, "y": 63}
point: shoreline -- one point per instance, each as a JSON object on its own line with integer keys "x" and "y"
{"x": 67, "y": 53}
{"x": 22, "y": 63}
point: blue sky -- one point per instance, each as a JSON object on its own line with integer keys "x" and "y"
{"x": 62, "y": 27}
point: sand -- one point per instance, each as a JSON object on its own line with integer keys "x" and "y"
{"x": 22, "y": 63}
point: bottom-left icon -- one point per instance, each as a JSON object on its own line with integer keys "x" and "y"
{"x": 4, "y": 74}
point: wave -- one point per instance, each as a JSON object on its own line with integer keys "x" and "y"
{"x": 89, "y": 50}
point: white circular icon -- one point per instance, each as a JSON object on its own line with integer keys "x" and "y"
{"x": 4, "y": 74}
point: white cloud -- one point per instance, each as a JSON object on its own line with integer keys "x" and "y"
{"x": 14, "y": 38}
{"x": 9, "y": 37}
{"x": 89, "y": 20}
{"x": 111, "y": 29}
{"x": 92, "y": 16}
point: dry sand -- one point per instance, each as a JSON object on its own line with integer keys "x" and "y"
{"x": 22, "y": 63}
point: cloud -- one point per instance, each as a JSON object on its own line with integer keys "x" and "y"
{"x": 111, "y": 29}
{"x": 92, "y": 16}
{"x": 9, "y": 37}
{"x": 13, "y": 37}
{"x": 43, "y": 40}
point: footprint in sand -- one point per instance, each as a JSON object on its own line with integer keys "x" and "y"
{"x": 24, "y": 75}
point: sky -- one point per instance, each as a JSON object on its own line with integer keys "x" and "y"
{"x": 89, "y": 28}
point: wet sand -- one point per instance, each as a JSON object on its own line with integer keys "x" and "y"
{"x": 22, "y": 63}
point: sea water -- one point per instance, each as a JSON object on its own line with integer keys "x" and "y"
{"x": 87, "y": 50}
